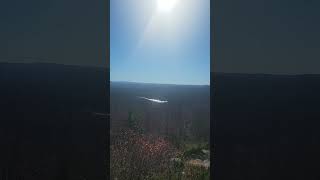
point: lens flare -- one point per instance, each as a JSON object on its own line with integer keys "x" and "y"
{"x": 166, "y": 5}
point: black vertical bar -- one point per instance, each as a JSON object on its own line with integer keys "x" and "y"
{"x": 108, "y": 88}
{"x": 212, "y": 60}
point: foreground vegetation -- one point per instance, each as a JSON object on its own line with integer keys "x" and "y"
{"x": 139, "y": 155}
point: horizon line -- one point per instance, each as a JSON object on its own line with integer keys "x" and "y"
{"x": 160, "y": 83}
{"x": 107, "y": 67}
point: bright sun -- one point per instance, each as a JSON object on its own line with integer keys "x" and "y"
{"x": 166, "y": 5}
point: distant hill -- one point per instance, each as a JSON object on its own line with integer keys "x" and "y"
{"x": 48, "y": 129}
{"x": 266, "y": 126}
{"x": 187, "y": 105}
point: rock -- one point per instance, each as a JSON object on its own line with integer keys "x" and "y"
{"x": 199, "y": 162}
{"x": 206, "y": 164}
{"x": 205, "y": 151}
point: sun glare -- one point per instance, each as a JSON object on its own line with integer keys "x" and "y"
{"x": 166, "y": 5}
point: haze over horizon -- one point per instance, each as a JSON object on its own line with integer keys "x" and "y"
{"x": 159, "y": 83}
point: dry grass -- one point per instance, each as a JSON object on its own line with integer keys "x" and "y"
{"x": 139, "y": 156}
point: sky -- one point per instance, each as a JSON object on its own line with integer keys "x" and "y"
{"x": 252, "y": 36}
{"x": 54, "y": 31}
{"x": 267, "y": 36}
{"x": 151, "y": 44}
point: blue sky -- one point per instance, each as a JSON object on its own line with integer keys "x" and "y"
{"x": 147, "y": 45}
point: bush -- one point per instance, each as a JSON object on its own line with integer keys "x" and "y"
{"x": 139, "y": 156}
{"x": 195, "y": 151}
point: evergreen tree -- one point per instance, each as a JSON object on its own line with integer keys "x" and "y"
{"x": 134, "y": 123}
